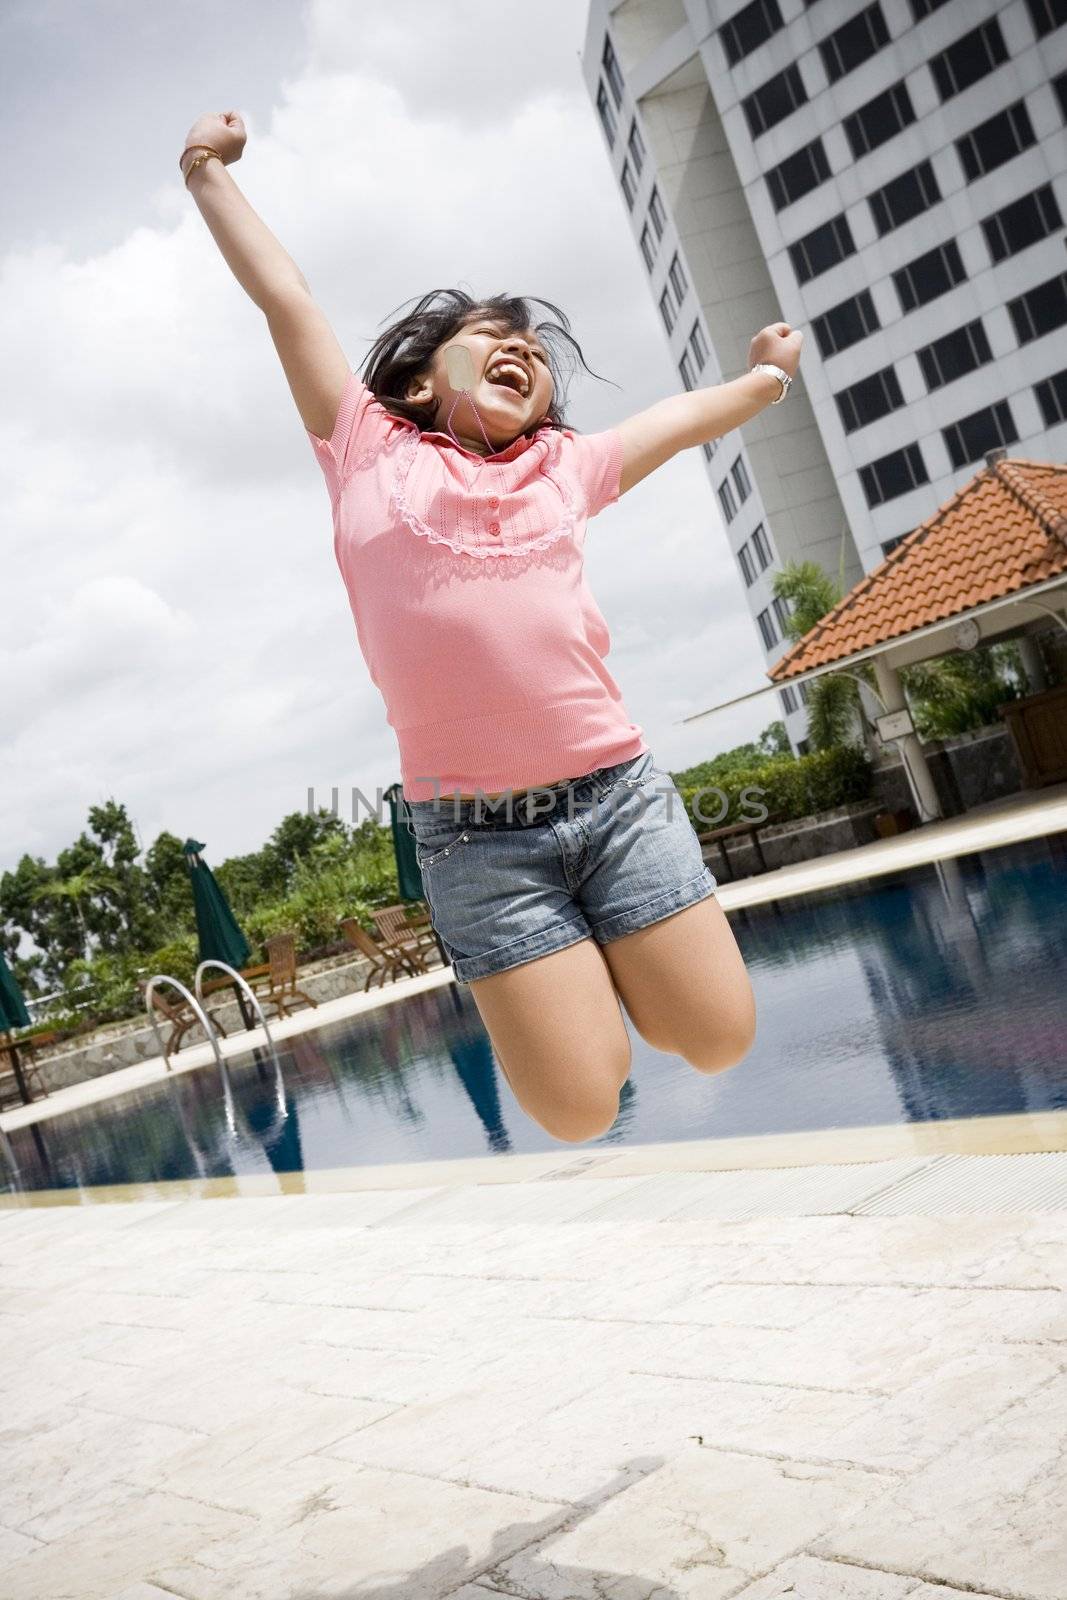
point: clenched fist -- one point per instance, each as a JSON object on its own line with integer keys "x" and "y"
{"x": 779, "y": 345}
{"x": 224, "y": 131}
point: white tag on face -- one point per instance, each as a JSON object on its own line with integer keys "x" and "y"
{"x": 459, "y": 366}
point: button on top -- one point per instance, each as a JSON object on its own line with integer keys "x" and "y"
{"x": 494, "y": 501}
{"x": 494, "y": 527}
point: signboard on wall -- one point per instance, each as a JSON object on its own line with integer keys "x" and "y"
{"x": 894, "y": 725}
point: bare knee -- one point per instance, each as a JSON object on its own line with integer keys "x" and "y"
{"x": 725, "y": 1046}
{"x": 579, "y": 1122}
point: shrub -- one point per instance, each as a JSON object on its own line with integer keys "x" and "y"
{"x": 792, "y": 788}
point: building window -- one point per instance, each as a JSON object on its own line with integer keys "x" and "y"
{"x": 970, "y": 58}
{"x": 879, "y": 119}
{"x": 766, "y": 628}
{"x": 798, "y": 174}
{"x": 748, "y": 28}
{"x": 648, "y": 248}
{"x": 893, "y": 475}
{"x": 610, "y": 63}
{"x": 667, "y": 310}
{"x": 970, "y": 437}
{"x": 925, "y": 8}
{"x": 636, "y": 146}
{"x": 1022, "y": 223}
{"x": 1060, "y": 86}
{"x": 822, "y": 248}
{"x": 708, "y": 449}
{"x": 1047, "y": 15}
{"x": 854, "y": 42}
{"x": 1052, "y": 398}
{"x": 607, "y": 116}
{"x": 748, "y": 571}
{"x": 656, "y": 211}
{"x": 802, "y": 691}
{"x": 872, "y": 397}
{"x": 955, "y": 354}
{"x": 846, "y": 324}
{"x": 773, "y": 101}
{"x": 1040, "y": 309}
{"x": 727, "y": 501}
{"x": 929, "y": 275}
{"x": 783, "y": 611}
{"x": 995, "y": 141}
{"x": 788, "y": 697}
{"x": 685, "y": 367}
{"x": 761, "y": 548}
{"x": 905, "y": 197}
{"x": 679, "y": 282}
{"x": 629, "y": 186}
{"x": 698, "y": 345}
{"x": 742, "y": 482}
{"x": 890, "y": 544}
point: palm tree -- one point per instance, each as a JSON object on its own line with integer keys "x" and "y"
{"x": 834, "y": 705}
{"x": 75, "y": 888}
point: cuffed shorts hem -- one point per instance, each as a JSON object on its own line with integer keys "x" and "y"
{"x": 654, "y": 910}
{"x": 543, "y": 943}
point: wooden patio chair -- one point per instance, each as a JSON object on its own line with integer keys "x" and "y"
{"x": 175, "y": 1009}
{"x": 406, "y": 928}
{"x": 22, "y": 1051}
{"x": 279, "y": 987}
{"x": 386, "y": 962}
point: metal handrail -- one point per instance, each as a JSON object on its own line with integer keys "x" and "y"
{"x": 279, "y": 1082}
{"x": 213, "y": 961}
{"x": 205, "y": 1020}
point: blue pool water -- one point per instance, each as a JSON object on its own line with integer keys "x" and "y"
{"x": 936, "y": 993}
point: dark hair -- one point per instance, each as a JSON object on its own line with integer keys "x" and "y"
{"x": 406, "y": 348}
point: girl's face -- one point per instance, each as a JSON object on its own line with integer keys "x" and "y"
{"x": 512, "y": 384}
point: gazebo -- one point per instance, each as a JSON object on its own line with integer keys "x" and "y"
{"x": 988, "y": 566}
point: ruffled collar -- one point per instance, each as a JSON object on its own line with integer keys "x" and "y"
{"x": 509, "y": 452}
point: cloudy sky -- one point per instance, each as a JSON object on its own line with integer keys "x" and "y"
{"x": 176, "y": 634}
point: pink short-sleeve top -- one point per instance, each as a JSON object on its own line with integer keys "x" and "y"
{"x": 465, "y": 578}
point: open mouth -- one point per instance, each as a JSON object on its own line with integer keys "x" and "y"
{"x": 508, "y": 374}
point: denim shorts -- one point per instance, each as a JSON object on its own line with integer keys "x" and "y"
{"x": 597, "y": 857}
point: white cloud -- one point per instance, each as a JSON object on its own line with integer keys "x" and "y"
{"x": 176, "y": 632}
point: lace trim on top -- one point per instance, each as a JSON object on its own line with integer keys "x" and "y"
{"x": 494, "y": 545}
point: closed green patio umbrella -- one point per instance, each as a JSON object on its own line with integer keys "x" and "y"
{"x": 13, "y": 1013}
{"x": 219, "y": 937}
{"x": 408, "y": 875}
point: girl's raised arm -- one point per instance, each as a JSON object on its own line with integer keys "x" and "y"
{"x": 315, "y": 365}
{"x": 649, "y": 438}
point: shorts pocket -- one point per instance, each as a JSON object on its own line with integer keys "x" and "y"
{"x": 427, "y": 854}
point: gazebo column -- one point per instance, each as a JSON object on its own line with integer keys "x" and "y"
{"x": 1033, "y": 666}
{"x": 911, "y": 751}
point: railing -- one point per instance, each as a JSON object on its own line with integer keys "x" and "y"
{"x": 282, "y": 1110}
{"x": 205, "y": 1020}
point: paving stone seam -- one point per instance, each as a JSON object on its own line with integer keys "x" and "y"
{"x": 767, "y": 1383}
{"x": 920, "y": 1576}
{"x": 891, "y": 1473}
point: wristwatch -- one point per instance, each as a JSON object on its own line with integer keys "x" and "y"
{"x": 783, "y": 378}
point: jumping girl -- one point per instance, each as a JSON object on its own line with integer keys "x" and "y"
{"x": 562, "y": 872}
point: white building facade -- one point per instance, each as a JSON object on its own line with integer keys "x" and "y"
{"x": 890, "y": 177}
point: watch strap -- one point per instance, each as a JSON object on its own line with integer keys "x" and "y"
{"x": 783, "y": 378}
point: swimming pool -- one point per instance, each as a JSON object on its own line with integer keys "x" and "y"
{"x": 932, "y": 994}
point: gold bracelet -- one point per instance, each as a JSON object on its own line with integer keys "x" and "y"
{"x": 189, "y": 147}
{"x": 207, "y": 155}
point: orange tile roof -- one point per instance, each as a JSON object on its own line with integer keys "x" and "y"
{"x": 1000, "y": 533}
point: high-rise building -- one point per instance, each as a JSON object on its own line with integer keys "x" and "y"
{"x": 892, "y": 179}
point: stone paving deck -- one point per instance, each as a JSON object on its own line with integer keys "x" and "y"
{"x": 591, "y": 1389}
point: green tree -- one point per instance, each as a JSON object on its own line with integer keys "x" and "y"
{"x": 835, "y": 713}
